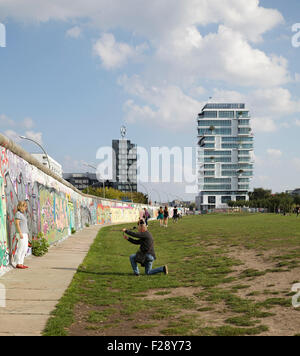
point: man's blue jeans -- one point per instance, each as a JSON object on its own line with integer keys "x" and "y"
{"x": 148, "y": 265}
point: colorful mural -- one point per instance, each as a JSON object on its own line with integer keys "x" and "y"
{"x": 53, "y": 207}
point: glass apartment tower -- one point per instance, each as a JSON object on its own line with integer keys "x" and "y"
{"x": 224, "y": 155}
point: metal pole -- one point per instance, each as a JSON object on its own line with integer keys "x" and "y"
{"x": 29, "y": 139}
{"x": 130, "y": 190}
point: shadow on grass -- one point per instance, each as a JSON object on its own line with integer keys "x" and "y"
{"x": 105, "y": 273}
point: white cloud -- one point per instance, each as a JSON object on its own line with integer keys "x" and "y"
{"x": 154, "y": 18}
{"x": 6, "y": 121}
{"x": 172, "y": 28}
{"x": 197, "y": 92}
{"x": 74, "y": 32}
{"x": 115, "y": 54}
{"x": 28, "y": 123}
{"x": 225, "y": 56}
{"x": 72, "y": 165}
{"x": 274, "y": 153}
{"x": 275, "y": 101}
{"x": 263, "y": 124}
{"x": 167, "y": 106}
{"x": 297, "y": 122}
{"x": 36, "y": 136}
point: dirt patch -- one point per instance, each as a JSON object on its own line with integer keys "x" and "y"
{"x": 157, "y": 294}
{"x": 115, "y": 325}
{"x": 256, "y": 288}
{"x": 285, "y": 322}
{"x": 252, "y": 260}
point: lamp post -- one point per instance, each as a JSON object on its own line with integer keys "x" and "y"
{"x": 41, "y": 147}
{"x": 130, "y": 190}
{"x": 88, "y": 165}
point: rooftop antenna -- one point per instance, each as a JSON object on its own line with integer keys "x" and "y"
{"x": 123, "y": 132}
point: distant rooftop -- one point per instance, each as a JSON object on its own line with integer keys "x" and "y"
{"x": 224, "y": 106}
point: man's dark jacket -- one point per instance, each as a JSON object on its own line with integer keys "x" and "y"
{"x": 145, "y": 239}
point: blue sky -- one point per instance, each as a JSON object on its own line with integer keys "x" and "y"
{"x": 72, "y": 74}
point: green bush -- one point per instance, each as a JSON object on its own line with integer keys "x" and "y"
{"x": 40, "y": 245}
{"x": 73, "y": 231}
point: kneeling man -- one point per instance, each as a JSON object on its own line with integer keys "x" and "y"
{"x": 145, "y": 255}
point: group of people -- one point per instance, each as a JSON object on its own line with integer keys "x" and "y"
{"x": 163, "y": 216}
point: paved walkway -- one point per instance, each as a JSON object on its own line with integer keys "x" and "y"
{"x": 32, "y": 294}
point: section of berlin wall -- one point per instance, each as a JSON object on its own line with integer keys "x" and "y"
{"x": 54, "y": 206}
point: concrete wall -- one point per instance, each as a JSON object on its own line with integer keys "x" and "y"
{"x": 54, "y": 205}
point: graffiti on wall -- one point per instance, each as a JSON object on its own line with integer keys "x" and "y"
{"x": 53, "y": 208}
{"x": 103, "y": 214}
{"x": 4, "y": 254}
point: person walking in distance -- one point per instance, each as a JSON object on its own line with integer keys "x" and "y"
{"x": 146, "y": 216}
{"x": 145, "y": 255}
{"x": 160, "y": 216}
{"x": 22, "y": 235}
{"x": 166, "y": 216}
{"x": 175, "y": 215}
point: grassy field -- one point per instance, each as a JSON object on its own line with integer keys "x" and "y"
{"x": 228, "y": 275}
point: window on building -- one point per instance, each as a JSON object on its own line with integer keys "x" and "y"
{"x": 240, "y": 198}
{"x": 217, "y": 187}
{"x": 243, "y": 114}
{"x": 214, "y": 123}
{"x": 211, "y": 200}
{"x": 226, "y": 200}
{"x": 212, "y": 114}
{"x": 225, "y": 114}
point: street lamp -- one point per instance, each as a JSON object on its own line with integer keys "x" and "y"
{"x": 88, "y": 165}
{"x": 29, "y": 139}
{"x": 130, "y": 190}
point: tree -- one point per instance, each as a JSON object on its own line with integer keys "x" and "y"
{"x": 260, "y": 193}
{"x": 115, "y": 194}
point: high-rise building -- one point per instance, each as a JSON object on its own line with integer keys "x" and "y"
{"x": 125, "y": 165}
{"x": 224, "y": 157}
